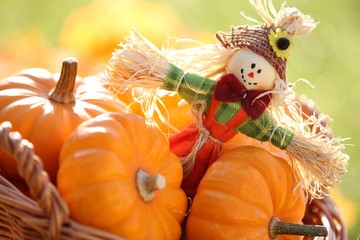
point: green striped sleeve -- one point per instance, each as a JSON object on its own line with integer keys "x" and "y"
{"x": 192, "y": 87}
{"x": 263, "y": 129}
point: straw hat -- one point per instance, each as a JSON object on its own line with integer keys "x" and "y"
{"x": 272, "y": 40}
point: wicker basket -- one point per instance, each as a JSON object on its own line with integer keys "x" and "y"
{"x": 46, "y": 217}
{"x": 325, "y": 212}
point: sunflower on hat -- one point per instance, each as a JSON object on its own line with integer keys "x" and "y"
{"x": 281, "y": 43}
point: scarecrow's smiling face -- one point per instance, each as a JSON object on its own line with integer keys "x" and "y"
{"x": 252, "y": 70}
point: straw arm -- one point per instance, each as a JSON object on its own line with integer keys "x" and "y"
{"x": 320, "y": 161}
{"x": 137, "y": 63}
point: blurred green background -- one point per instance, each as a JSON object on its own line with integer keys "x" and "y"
{"x": 40, "y": 33}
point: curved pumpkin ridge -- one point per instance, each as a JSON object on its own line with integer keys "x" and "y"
{"x": 225, "y": 228}
{"x": 41, "y": 82}
{"x": 104, "y": 99}
{"x": 87, "y": 161}
{"x": 228, "y": 218}
{"x": 138, "y": 139}
{"x": 296, "y": 192}
{"x": 15, "y": 112}
{"x": 226, "y": 232}
{"x": 148, "y": 155}
{"x": 247, "y": 173}
{"x": 138, "y": 224}
{"x": 152, "y": 160}
{"x": 261, "y": 167}
{"x": 172, "y": 229}
{"x": 273, "y": 169}
{"x": 40, "y": 73}
{"x": 174, "y": 169}
{"x": 242, "y": 140}
{"x": 135, "y": 224}
{"x": 109, "y": 206}
{"x": 168, "y": 205}
{"x": 111, "y": 133}
{"x": 103, "y": 177}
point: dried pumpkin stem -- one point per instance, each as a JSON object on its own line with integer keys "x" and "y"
{"x": 147, "y": 184}
{"x": 276, "y": 227}
{"x": 64, "y": 90}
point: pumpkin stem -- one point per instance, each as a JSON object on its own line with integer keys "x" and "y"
{"x": 147, "y": 184}
{"x": 276, "y": 227}
{"x": 64, "y": 90}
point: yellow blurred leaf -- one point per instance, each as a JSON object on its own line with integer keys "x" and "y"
{"x": 347, "y": 207}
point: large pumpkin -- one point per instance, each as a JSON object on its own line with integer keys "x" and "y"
{"x": 46, "y": 108}
{"x": 242, "y": 194}
{"x": 117, "y": 173}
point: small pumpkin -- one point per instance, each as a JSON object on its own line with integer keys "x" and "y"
{"x": 243, "y": 195}
{"x": 118, "y": 174}
{"x": 46, "y": 108}
{"x": 169, "y": 112}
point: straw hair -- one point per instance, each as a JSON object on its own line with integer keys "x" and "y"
{"x": 46, "y": 215}
{"x": 289, "y": 19}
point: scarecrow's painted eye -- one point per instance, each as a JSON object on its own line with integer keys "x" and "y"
{"x": 253, "y": 65}
{"x": 283, "y": 43}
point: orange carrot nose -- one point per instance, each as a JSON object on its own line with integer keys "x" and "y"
{"x": 251, "y": 75}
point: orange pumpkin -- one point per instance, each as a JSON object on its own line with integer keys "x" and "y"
{"x": 172, "y": 113}
{"x": 243, "y": 194}
{"x": 243, "y": 140}
{"x": 46, "y": 110}
{"x": 113, "y": 172}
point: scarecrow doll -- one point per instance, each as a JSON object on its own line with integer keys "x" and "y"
{"x": 236, "y": 85}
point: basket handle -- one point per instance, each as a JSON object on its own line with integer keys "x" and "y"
{"x": 31, "y": 169}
